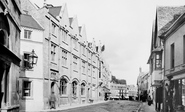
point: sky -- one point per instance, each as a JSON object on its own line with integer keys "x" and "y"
{"x": 123, "y": 26}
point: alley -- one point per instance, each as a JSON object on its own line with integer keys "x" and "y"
{"x": 111, "y": 106}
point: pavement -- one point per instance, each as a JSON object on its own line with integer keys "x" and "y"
{"x": 144, "y": 107}
{"x": 65, "y": 107}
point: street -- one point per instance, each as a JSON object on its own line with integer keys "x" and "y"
{"x": 111, "y": 106}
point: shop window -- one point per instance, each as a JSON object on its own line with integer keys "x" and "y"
{"x": 26, "y": 88}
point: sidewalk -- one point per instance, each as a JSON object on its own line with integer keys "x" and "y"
{"x": 65, "y": 107}
{"x": 146, "y": 108}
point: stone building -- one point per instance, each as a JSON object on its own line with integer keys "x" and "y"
{"x": 172, "y": 34}
{"x": 9, "y": 55}
{"x": 68, "y": 64}
{"x": 31, "y": 76}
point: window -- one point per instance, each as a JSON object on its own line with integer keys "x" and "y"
{"x": 53, "y": 52}
{"x": 83, "y": 50}
{"x": 63, "y": 85}
{"x": 64, "y": 57}
{"x": 27, "y": 88}
{"x": 89, "y": 69}
{"x": 27, "y": 34}
{"x": 93, "y": 71}
{"x": 82, "y": 89}
{"x": 172, "y": 58}
{"x": 64, "y": 36}
{"x": 83, "y": 66}
{"x": 26, "y": 61}
{"x": 75, "y": 43}
{"x": 158, "y": 61}
{"x": 53, "y": 28}
{"x": 75, "y": 63}
{"x": 74, "y": 88}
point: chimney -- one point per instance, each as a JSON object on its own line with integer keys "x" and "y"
{"x": 44, "y": 3}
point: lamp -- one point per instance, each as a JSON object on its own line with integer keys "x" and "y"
{"x": 33, "y": 58}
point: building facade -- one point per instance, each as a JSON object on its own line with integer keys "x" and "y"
{"x": 9, "y": 57}
{"x": 174, "y": 42}
{"x": 68, "y": 64}
{"x": 162, "y": 57}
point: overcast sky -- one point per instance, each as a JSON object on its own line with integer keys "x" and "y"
{"x": 123, "y": 26}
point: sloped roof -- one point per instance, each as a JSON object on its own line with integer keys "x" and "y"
{"x": 55, "y": 11}
{"x": 29, "y": 21}
{"x": 165, "y": 14}
{"x": 165, "y": 27}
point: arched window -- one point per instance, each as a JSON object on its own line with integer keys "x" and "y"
{"x": 82, "y": 89}
{"x": 74, "y": 88}
{"x": 63, "y": 86}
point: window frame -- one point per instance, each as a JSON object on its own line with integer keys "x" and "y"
{"x": 30, "y": 89}
{"x": 64, "y": 57}
{"x": 53, "y": 52}
{"x": 27, "y": 34}
{"x": 63, "y": 87}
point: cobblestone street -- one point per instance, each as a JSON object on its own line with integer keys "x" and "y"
{"x": 111, "y": 106}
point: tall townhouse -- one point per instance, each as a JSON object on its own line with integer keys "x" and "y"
{"x": 174, "y": 61}
{"x": 9, "y": 55}
{"x": 31, "y": 73}
{"x": 157, "y": 61}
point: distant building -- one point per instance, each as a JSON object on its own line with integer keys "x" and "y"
{"x": 118, "y": 90}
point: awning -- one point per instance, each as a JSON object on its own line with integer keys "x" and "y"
{"x": 157, "y": 83}
{"x": 180, "y": 76}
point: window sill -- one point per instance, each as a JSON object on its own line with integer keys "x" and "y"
{"x": 63, "y": 95}
{"x": 54, "y": 35}
{"x": 64, "y": 66}
{"x": 75, "y": 49}
{"x": 52, "y": 62}
{"x": 75, "y": 71}
{"x": 65, "y": 42}
{"x": 27, "y": 98}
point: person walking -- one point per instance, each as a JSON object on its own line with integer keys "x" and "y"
{"x": 52, "y": 100}
{"x": 149, "y": 100}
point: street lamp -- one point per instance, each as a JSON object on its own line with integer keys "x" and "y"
{"x": 33, "y": 58}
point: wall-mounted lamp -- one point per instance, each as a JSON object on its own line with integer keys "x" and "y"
{"x": 33, "y": 58}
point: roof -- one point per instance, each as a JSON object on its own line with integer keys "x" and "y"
{"x": 165, "y": 15}
{"x": 29, "y": 21}
{"x": 55, "y": 11}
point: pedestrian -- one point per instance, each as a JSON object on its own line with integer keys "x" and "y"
{"x": 52, "y": 100}
{"x": 149, "y": 100}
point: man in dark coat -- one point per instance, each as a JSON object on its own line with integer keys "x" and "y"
{"x": 52, "y": 100}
